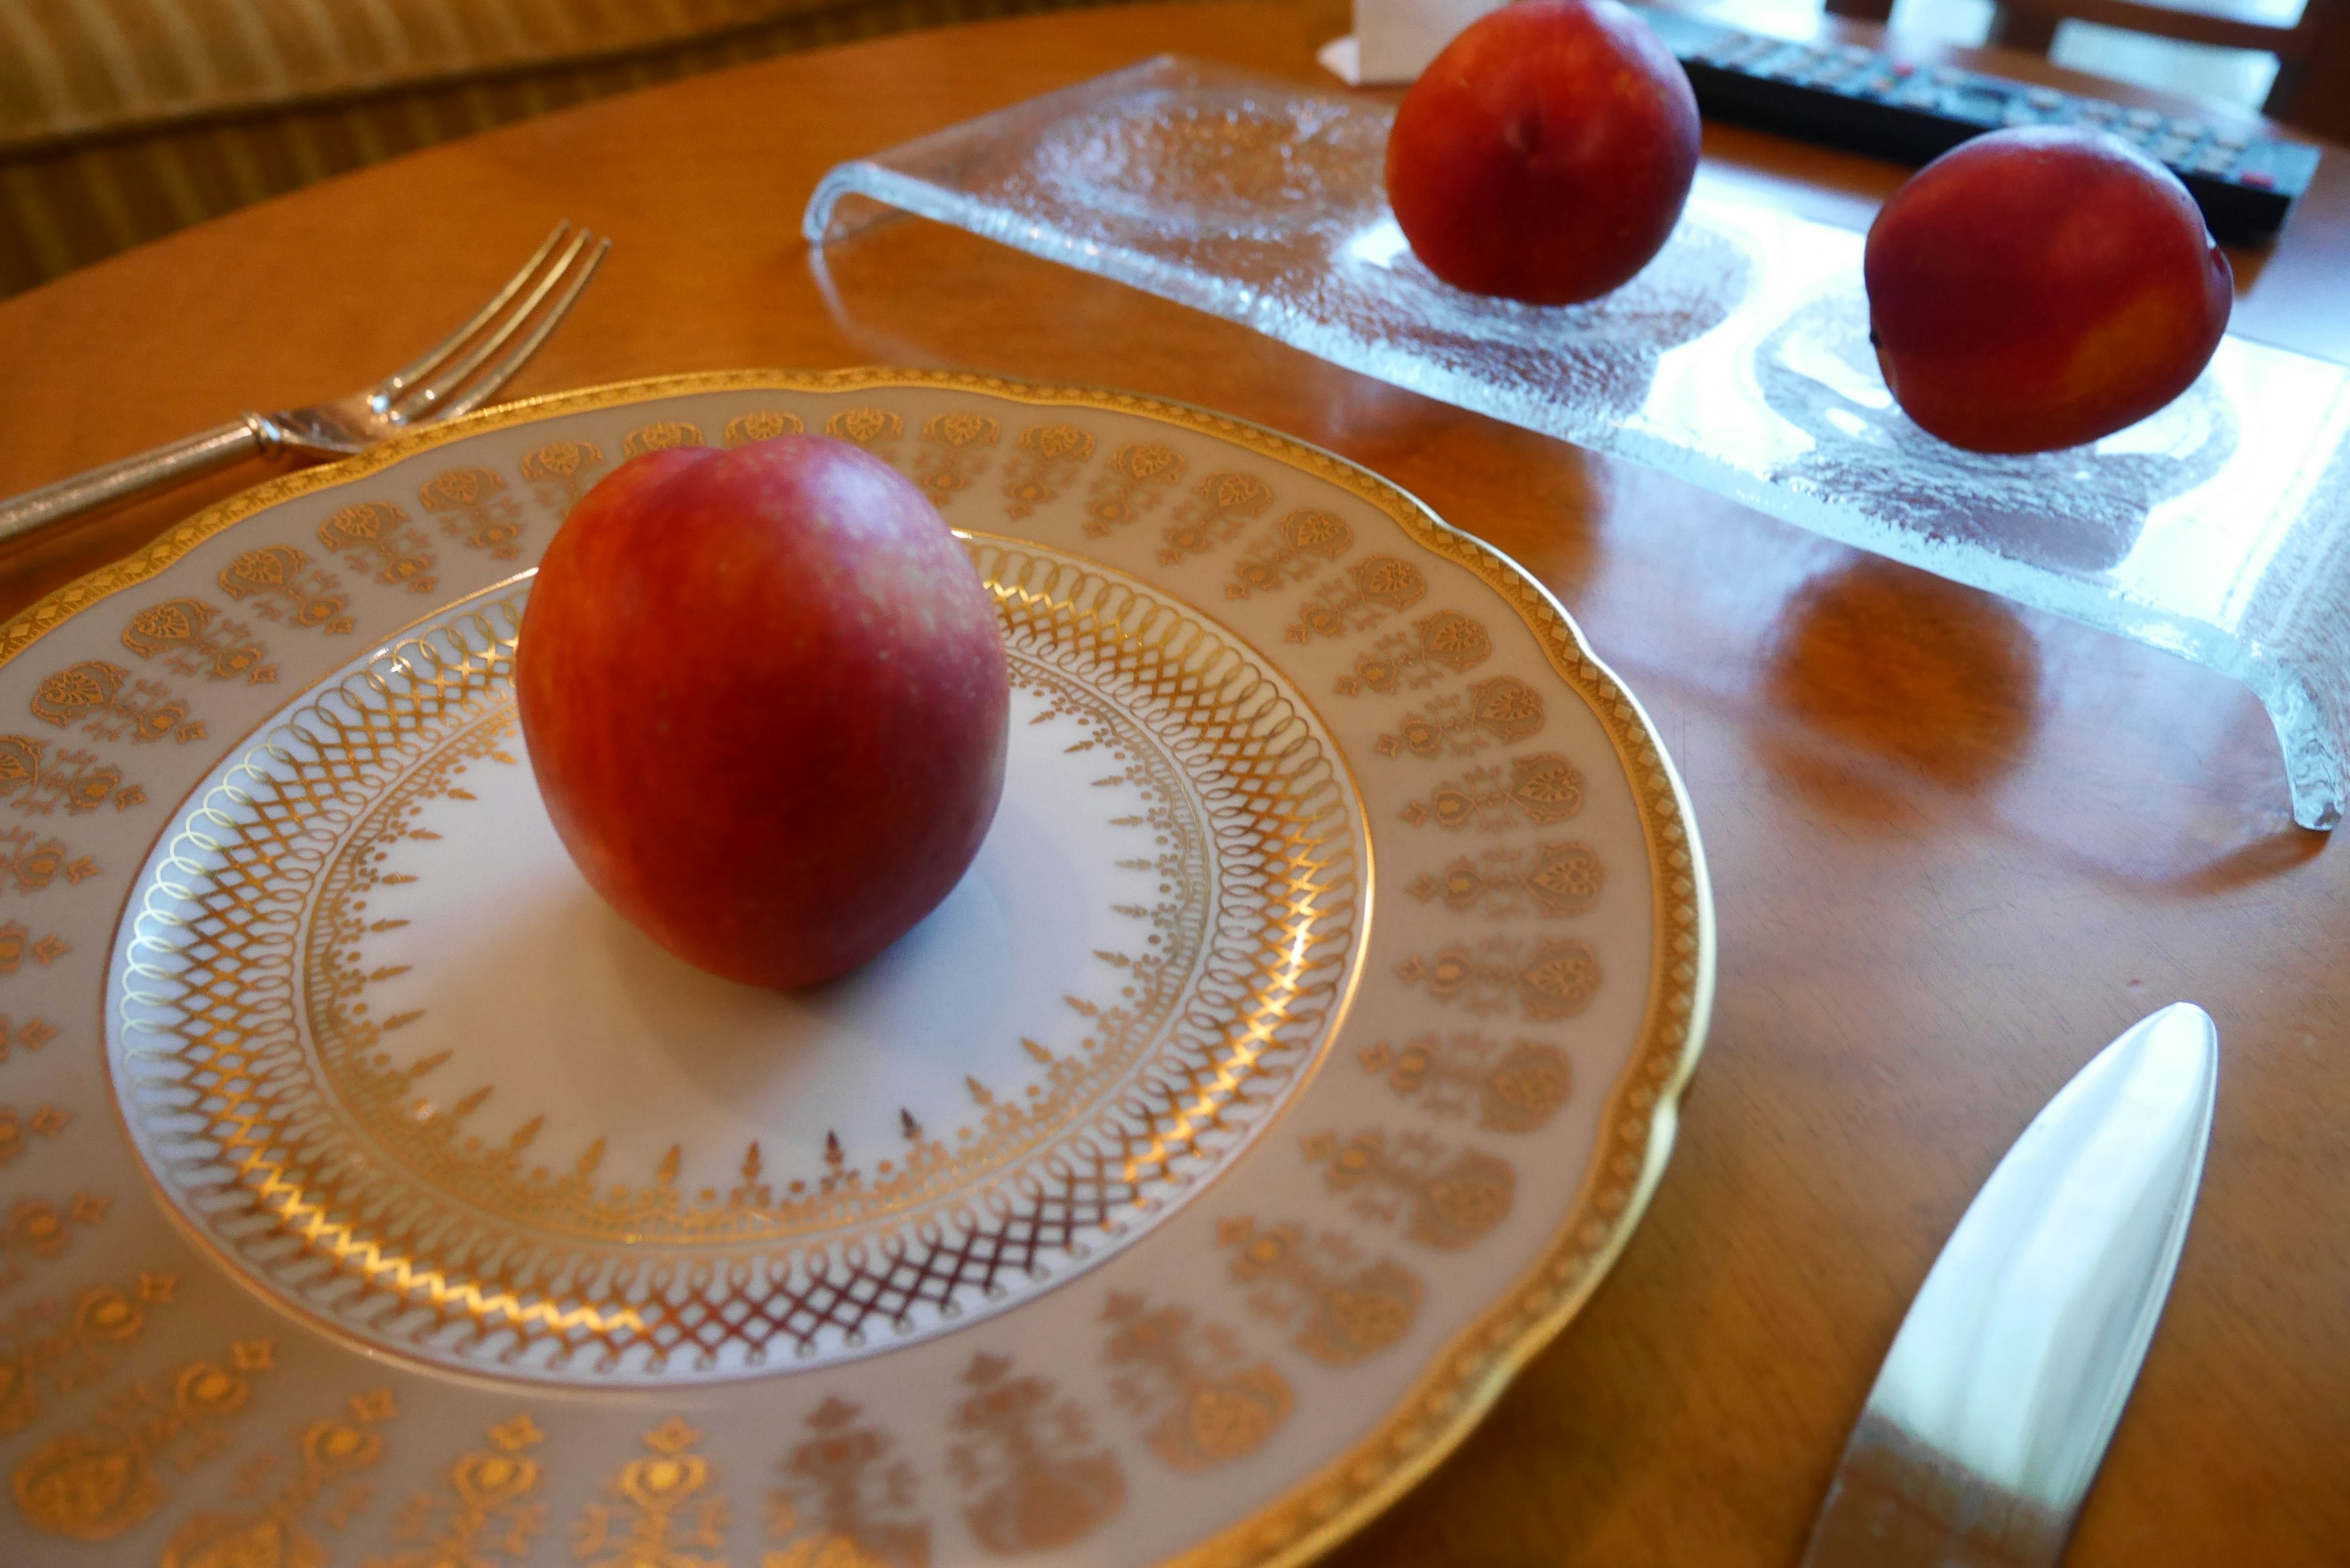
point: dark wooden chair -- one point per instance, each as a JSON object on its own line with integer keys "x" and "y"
{"x": 2312, "y": 90}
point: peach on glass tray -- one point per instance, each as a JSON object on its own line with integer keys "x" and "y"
{"x": 1296, "y": 1057}
{"x": 1738, "y": 359}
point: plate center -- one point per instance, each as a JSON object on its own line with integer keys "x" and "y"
{"x": 513, "y": 1010}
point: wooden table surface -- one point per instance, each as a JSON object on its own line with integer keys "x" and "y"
{"x": 1956, "y": 845}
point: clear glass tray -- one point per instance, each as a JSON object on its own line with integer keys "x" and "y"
{"x": 2218, "y": 529}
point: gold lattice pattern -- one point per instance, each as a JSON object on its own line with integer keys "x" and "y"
{"x": 340, "y": 974}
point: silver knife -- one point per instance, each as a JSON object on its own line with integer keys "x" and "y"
{"x": 2009, "y": 1375}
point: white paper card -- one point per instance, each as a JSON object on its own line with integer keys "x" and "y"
{"x": 1394, "y": 39}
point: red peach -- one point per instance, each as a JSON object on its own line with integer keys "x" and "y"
{"x": 765, "y": 696}
{"x": 1546, "y": 153}
{"x": 2039, "y": 287}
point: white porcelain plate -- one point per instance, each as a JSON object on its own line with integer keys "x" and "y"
{"x": 1292, "y": 1062}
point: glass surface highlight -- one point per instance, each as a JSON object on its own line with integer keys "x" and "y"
{"x": 2218, "y": 529}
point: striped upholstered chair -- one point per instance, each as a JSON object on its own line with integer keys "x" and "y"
{"x": 121, "y": 121}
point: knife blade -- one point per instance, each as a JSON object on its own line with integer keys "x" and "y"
{"x": 1995, "y": 1403}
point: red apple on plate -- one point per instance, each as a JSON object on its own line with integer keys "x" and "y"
{"x": 766, "y": 697}
{"x": 1546, "y": 154}
{"x": 2041, "y": 287}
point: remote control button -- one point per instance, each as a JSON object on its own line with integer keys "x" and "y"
{"x": 2044, "y": 98}
{"x": 1855, "y": 54}
{"x": 1948, "y": 76}
{"x": 2019, "y": 114}
{"x": 2191, "y": 129}
{"x": 2215, "y": 161}
{"x": 2233, "y": 139}
{"x": 2258, "y": 179}
{"x": 1904, "y": 68}
{"x": 2170, "y": 150}
{"x": 2143, "y": 119}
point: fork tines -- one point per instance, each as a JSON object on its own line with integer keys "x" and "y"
{"x": 465, "y": 369}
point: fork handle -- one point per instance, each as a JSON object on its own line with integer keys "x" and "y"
{"x": 119, "y": 481}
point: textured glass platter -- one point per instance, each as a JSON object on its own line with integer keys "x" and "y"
{"x": 2218, "y": 529}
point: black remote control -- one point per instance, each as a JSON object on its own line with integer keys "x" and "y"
{"x": 1870, "y": 101}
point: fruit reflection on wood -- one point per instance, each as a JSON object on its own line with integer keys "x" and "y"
{"x": 1541, "y": 789}
{"x": 1291, "y": 549}
{"x": 1133, "y": 481}
{"x": 1370, "y": 591}
{"x": 1555, "y": 881}
{"x": 379, "y": 538}
{"x": 1555, "y": 979}
{"x": 192, "y": 638}
{"x": 1044, "y": 461}
{"x": 281, "y": 585}
{"x": 1218, "y": 507}
{"x": 1032, "y": 1475}
{"x": 561, "y": 472}
{"x": 1206, "y": 1402}
{"x": 107, "y": 1475}
{"x": 848, "y": 1499}
{"x": 656, "y": 1511}
{"x": 474, "y": 507}
{"x": 1501, "y": 711}
{"x": 54, "y": 1347}
{"x": 1444, "y": 1197}
{"x": 281, "y": 1519}
{"x": 111, "y": 704}
{"x": 484, "y": 1515}
{"x": 1340, "y": 1306}
{"x": 1437, "y": 647}
{"x": 1513, "y": 1087}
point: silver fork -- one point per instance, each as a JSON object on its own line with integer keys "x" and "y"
{"x": 458, "y": 375}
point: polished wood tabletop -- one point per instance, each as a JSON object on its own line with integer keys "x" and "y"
{"x": 1956, "y": 845}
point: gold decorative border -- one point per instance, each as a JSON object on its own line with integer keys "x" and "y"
{"x": 1636, "y": 1131}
